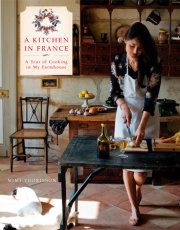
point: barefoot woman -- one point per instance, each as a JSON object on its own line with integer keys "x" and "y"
{"x": 135, "y": 84}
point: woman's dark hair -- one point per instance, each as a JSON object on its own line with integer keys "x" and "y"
{"x": 149, "y": 55}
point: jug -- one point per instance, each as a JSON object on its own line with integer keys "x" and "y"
{"x": 177, "y": 31}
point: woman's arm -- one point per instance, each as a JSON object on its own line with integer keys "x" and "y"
{"x": 115, "y": 90}
{"x": 117, "y": 83}
{"x": 150, "y": 101}
{"x": 153, "y": 88}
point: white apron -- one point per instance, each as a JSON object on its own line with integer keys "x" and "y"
{"x": 135, "y": 97}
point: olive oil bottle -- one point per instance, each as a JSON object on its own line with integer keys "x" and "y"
{"x": 103, "y": 143}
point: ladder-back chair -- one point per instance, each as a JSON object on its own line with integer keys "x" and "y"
{"x": 34, "y": 125}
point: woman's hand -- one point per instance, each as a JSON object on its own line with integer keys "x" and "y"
{"x": 139, "y": 135}
{"x": 126, "y": 112}
{"x": 140, "y": 132}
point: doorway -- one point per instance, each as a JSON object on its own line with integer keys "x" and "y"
{"x": 8, "y": 104}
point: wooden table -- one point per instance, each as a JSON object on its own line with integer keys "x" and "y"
{"x": 91, "y": 126}
{"x": 82, "y": 151}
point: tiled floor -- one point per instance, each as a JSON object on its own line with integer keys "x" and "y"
{"x": 101, "y": 206}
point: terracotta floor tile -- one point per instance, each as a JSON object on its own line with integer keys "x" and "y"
{"x": 159, "y": 197}
{"x": 47, "y": 187}
{"x": 173, "y": 189}
{"x": 92, "y": 190}
{"x": 101, "y": 205}
{"x": 144, "y": 206}
{"x": 4, "y": 176}
{"x": 108, "y": 217}
{"x": 122, "y": 227}
{"x": 8, "y": 186}
{"x": 113, "y": 196}
{"x": 117, "y": 186}
{"x": 4, "y": 167}
{"x": 114, "y": 218}
{"x": 175, "y": 227}
{"x": 163, "y": 217}
{"x": 56, "y": 195}
{"x": 125, "y": 205}
{"x": 54, "y": 174}
{"x": 25, "y": 169}
{"x": 147, "y": 189}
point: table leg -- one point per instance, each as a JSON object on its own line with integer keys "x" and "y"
{"x": 62, "y": 179}
{"x": 66, "y": 209}
{"x": 76, "y": 188}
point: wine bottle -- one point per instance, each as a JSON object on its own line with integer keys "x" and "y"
{"x": 103, "y": 143}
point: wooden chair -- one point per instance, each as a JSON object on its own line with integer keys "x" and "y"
{"x": 34, "y": 123}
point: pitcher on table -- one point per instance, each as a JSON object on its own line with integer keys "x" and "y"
{"x": 135, "y": 84}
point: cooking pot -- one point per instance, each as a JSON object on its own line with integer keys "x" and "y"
{"x": 117, "y": 2}
{"x": 145, "y": 2}
{"x": 110, "y": 102}
{"x": 167, "y": 107}
{"x": 87, "y": 2}
{"x": 163, "y": 2}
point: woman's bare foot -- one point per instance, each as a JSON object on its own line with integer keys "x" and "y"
{"x": 135, "y": 218}
{"x": 134, "y": 221}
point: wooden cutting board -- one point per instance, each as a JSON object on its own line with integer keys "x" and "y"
{"x": 142, "y": 148}
{"x": 158, "y": 146}
{"x": 136, "y": 149}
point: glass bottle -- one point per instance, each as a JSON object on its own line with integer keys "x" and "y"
{"x": 103, "y": 143}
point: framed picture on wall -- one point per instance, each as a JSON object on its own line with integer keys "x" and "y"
{"x": 49, "y": 83}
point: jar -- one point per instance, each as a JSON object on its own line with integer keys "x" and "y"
{"x": 177, "y": 30}
{"x": 163, "y": 36}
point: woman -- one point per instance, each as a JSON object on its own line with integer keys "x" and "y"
{"x": 135, "y": 84}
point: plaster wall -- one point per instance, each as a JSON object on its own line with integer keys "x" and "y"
{"x": 69, "y": 86}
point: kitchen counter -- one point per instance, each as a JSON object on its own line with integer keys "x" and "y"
{"x": 63, "y": 112}
{"x": 91, "y": 126}
{"x": 78, "y": 123}
{"x": 61, "y": 117}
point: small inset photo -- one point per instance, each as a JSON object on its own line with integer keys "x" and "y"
{"x": 49, "y": 83}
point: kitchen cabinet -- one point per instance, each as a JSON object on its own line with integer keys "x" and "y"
{"x": 96, "y": 56}
{"x": 175, "y": 60}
